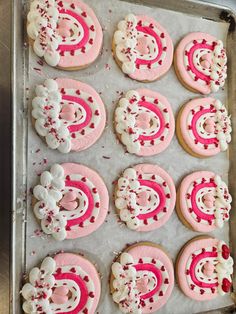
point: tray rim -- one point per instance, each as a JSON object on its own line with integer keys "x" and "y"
{"x": 19, "y": 145}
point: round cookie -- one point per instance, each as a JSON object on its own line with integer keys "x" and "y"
{"x": 65, "y": 33}
{"x": 69, "y": 114}
{"x": 71, "y": 201}
{"x": 145, "y": 197}
{"x": 144, "y": 122}
{"x": 203, "y": 127}
{"x": 204, "y": 268}
{"x": 142, "y": 278}
{"x": 200, "y": 63}
{"x": 203, "y": 201}
{"x": 142, "y": 48}
{"x": 65, "y": 283}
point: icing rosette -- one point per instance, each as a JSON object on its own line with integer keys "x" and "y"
{"x": 204, "y": 269}
{"x": 142, "y": 48}
{"x": 71, "y": 201}
{"x": 65, "y": 283}
{"x": 144, "y": 122}
{"x": 204, "y": 127}
{"x": 204, "y": 201}
{"x": 70, "y": 115}
{"x": 142, "y": 279}
{"x": 65, "y": 33}
{"x": 145, "y": 197}
{"x": 200, "y": 60}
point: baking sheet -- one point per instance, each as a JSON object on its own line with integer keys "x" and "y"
{"x": 107, "y": 78}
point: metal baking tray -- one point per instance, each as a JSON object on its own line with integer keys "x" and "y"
{"x": 20, "y": 127}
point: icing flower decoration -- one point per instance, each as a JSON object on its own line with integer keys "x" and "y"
{"x": 66, "y": 283}
{"x": 142, "y": 48}
{"x": 71, "y": 201}
{"x": 144, "y": 122}
{"x": 200, "y": 61}
{"x": 204, "y": 269}
{"x": 142, "y": 279}
{"x": 67, "y": 35}
{"x": 144, "y": 197}
{"x": 69, "y": 114}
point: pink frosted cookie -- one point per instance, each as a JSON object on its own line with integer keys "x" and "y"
{"x": 204, "y": 268}
{"x": 66, "y": 283}
{"x": 142, "y": 48}
{"x": 69, "y": 114}
{"x": 65, "y": 33}
{"x": 203, "y": 201}
{"x": 71, "y": 201}
{"x": 142, "y": 278}
{"x": 145, "y": 197}
{"x": 204, "y": 127}
{"x": 200, "y": 63}
{"x": 144, "y": 122}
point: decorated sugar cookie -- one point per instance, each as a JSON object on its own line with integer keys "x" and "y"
{"x": 65, "y": 33}
{"x": 145, "y": 197}
{"x": 70, "y": 115}
{"x": 71, "y": 201}
{"x": 142, "y": 48}
{"x": 142, "y": 278}
{"x": 65, "y": 283}
{"x": 144, "y": 122}
{"x": 204, "y": 268}
{"x": 204, "y": 127}
{"x": 200, "y": 63}
{"x": 203, "y": 201}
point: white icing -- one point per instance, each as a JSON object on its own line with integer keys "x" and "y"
{"x": 42, "y": 28}
{"x": 39, "y": 289}
{"x": 49, "y": 194}
{"x": 223, "y": 125}
{"x": 126, "y": 122}
{"x": 46, "y": 112}
{"x": 126, "y": 39}
{"x": 224, "y": 267}
{"x": 124, "y": 285}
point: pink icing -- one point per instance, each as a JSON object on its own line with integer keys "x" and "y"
{"x": 141, "y": 251}
{"x": 149, "y": 31}
{"x": 158, "y": 189}
{"x": 184, "y": 127}
{"x": 69, "y": 200}
{"x": 188, "y": 250}
{"x": 179, "y": 60}
{"x": 89, "y": 139}
{"x": 162, "y": 145}
{"x": 75, "y": 231}
{"x": 82, "y": 286}
{"x": 59, "y": 295}
{"x": 154, "y": 73}
{"x": 143, "y": 121}
{"x": 85, "y": 38}
{"x": 69, "y": 60}
{"x": 69, "y": 259}
{"x": 187, "y": 181}
{"x": 155, "y": 170}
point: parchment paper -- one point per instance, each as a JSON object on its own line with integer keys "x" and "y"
{"x": 106, "y": 77}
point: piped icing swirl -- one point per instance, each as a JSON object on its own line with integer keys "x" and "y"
{"x": 144, "y": 197}
{"x": 142, "y": 46}
{"x": 69, "y": 114}
{"x": 67, "y": 283}
{"x": 204, "y": 201}
{"x": 144, "y": 122}
{"x": 202, "y": 62}
{"x": 205, "y": 126}
{"x": 205, "y": 268}
{"x": 142, "y": 280}
{"x": 67, "y": 34}
{"x": 72, "y": 201}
